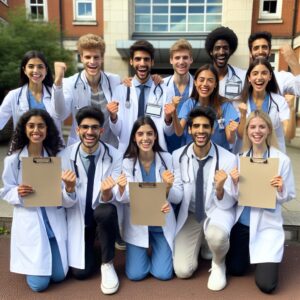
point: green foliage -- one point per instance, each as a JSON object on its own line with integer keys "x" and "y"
{"x": 4, "y": 231}
{"x": 21, "y": 35}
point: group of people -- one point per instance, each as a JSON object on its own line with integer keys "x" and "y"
{"x": 182, "y": 130}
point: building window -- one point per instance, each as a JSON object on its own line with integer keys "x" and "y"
{"x": 37, "y": 10}
{"x": 270, "y": 9}
{"x": 84, "y": 10}
{"x": 177, "y": 15}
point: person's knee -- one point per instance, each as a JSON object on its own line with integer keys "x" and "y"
{"x": 58, "y": 277}
{"x": 163, "y": 274}
{"x": 105, "y": 213}
{"x": 135, "y": 275}
{"x": 216, "y": 237}
{"x": 38, "y": 283}
{"x": 184, "y": 271}
{"x": 266, "y": 286}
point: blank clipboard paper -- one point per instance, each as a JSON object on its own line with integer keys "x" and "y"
{"x": 44, "y": 175}
{"x": 255, "y": 189}
{"x": 146, "y": 201}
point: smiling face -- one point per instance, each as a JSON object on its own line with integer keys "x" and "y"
{"x": 201, "y": 132}
{"x": 36, "y": 130}
{"x": 220, "y": 53}
{"x": 259, "y": 78}
{"x": 89, "y": 132}
{"x": 35, "y": 70}
{"x": 260, "y": 49}
{"x": 144, "y": 138}
{"x": 205, "y": 83}
{"x": 92, "y": 62}
{"x": 181, "y": 62}
{"x": 258, "y": 131}
{"x": 142, "y": 64}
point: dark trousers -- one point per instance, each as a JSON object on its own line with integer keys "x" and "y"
{"x": 238, "y": 260}
{"x": 99, "y": 239}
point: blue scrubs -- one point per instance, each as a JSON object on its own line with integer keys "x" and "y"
{"x": 138, "y": 263}
{"x": 219, "y": 137}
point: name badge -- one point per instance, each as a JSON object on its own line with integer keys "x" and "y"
{"x": 221, "y": 123}
{"x": 153, "y": 110}
{"x": 232, "y": 90}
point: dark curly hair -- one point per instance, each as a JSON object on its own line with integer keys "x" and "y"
{"x": 52, "y": 143}
{"x": 221, "y": 33}
{"x": 260, "y": 35}
{"x": 201, "y": 111}
{"x": 142, "y": 45}
{"x": 48, "y": 80}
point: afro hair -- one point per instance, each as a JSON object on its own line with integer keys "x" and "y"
{"x": 221, "y": 33}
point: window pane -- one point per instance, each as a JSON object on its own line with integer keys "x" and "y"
{"x": 160, "y": 1}
{"x": 178, "y": 18}
{"x": 214, "y": 19}
{"x": 142, "y": 9}
{"x": 160, "y": 27}
{"x": 214, "y": 1}
{"x": 142, "y": 27}
{"x": 142, "y": 1}
{"x": 196, "y": 27}
{"x": 142, "y": 19}
{"x": 40, "y": 1}
{"x": 179, "y": 1}
{"x": 196, "y": 9}
{"x": 196, "y": 19}
{"x": 196, "y": 1}
{"x": 160, "y": 9}
{"x": 210, "y": 27}
{"x": 177, "y": 27}
{"x": 160, "y": 19}
{"x": 214, "y": 9}
{"x": 84, "y": 9}
{"x": 178, "y": 9}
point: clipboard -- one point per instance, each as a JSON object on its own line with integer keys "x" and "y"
{"x": 44, "y": 175}
{"x": 254, "y": 182}
{"x": 146, "y": 201}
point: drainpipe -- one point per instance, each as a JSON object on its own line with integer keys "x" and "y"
{"x": 60, "y": 23}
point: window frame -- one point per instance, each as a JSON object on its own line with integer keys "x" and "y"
{"x": 270, "y": 16}
{"x": 45, "y": 7}
{"x": 77, "y": 17}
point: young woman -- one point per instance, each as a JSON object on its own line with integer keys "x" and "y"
{"x": 34, "y": 92}
{"x": 258, "y": 235}
{"x": 206, "y": 93}
{"x": 261, "y": 92}
{"x": 145, "y": 161}
{"x": 38, "y": 234}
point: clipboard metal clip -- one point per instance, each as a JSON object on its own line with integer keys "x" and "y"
{"x": 258, "y": 160}
{"x": 147, "y": 185}
{"x": 42, "y": 160}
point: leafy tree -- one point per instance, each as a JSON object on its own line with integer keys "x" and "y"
{"x": 21, "y": 35}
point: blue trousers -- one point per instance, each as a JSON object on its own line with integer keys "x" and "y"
{"x": 160, "y": 264}
{"x": 40, "y": 283}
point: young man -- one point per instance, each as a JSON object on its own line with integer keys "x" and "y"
{"x": 203, "y": 187}
{"x": 142, "y": 98}
{"x": 94, "y": 214}
{"x": 220, "y": 44}
{"x": 180, "y": 84}
{"x": 90, "y": 87}
{"x": 259, "y": 44}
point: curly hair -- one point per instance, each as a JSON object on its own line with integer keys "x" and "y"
{"x": 48, "y": 80}
{"x": 221, "y": 33}
{"x": 142, "y": 45}
{"x": 201, "y": 111}
{"x": 52, "y": 143}
{"x": 91, "y": 41}
{"x": 260, "y": 35}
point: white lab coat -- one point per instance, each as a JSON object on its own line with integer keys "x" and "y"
{"x": 288, "y": 83}
{"x": 127, "y": 116}
{"x": 219, "y": 212}
{"x": 138, "y": 234}
{"x": 76, "y": 93}
{"x": 266, "y": 242}
{"x": 30, "y": 247}
{"x": 15, "y": 104}
{"x": 75, "y": 214}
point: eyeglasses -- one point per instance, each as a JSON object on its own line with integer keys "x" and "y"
{"x": 39, "y": 126}
{"x": 87, "y": 127}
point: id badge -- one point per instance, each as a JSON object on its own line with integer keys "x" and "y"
{"x": 221, "y": 123}
{"x": 232, "y": 90}
{"x": 153, "y": 110}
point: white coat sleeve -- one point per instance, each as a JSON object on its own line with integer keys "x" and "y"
{"x": 118, "y": 96}
{"x": 289, "y": 83}
{"x": 6, "y": 108}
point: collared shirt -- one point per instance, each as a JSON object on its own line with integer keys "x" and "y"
{"x": 147, "y": 84}
{"x": 206, "y": 170}
{"x": 84, "y": 157}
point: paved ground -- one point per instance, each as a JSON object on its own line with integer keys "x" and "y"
{"x": 13, "y": 286}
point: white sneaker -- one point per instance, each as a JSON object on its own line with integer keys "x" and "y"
{"x": 109, "y": 279}
{"x": 217, "y": 277}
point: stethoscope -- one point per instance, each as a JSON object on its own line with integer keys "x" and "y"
{"x": 20, "y": 93}
{"x": 184, "y": 152}
{"x": 157, "y": 92}
{"x": 84, "y": 85}
{"x": 271, "y": 101}
{"x": 162, "y": 161}
{"x": 106, "y": 152}
{"x": 250, "y": 153}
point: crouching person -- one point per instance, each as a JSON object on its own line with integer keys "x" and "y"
{"x": 207, "y": 204}
{"x": 94, "y": 215}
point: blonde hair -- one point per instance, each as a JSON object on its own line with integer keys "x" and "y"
{"x": 271, "y": 139}
{"x": 91, "y": 41}
{"x": 180, "y": 45}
